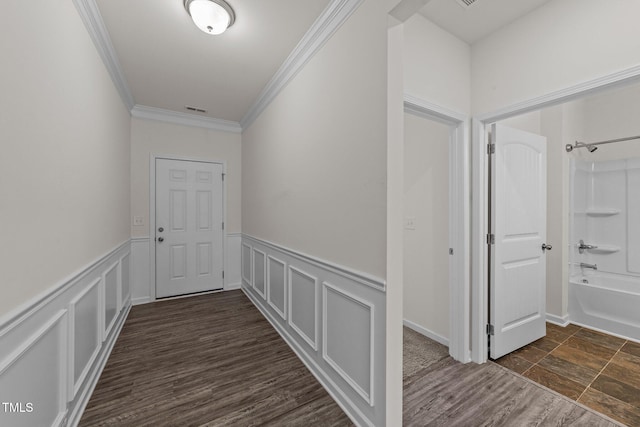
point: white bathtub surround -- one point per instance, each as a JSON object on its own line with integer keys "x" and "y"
{"x": 607, "y": 302}
{"x": 604, "y": 289}
{"x": 331, "y": 316}
{"x": 53, "y": 349}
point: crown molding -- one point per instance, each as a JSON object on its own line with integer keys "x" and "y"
{"x": 90, "y": 14}
{"x": 320, "y": 32}
{"x": 186, "y": 119}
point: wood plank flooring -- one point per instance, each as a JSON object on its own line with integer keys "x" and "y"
{"x": 598, "y": 370}
{"x": 213, "y": 360}
{"x": 207, "y": 360}
{"x": 439, "y": 391}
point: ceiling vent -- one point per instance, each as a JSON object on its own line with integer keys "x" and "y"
{"x": 466, "y": 3}
{"x": 195, "y": 109}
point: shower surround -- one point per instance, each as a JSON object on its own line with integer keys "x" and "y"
{"x": 604, "y": 287}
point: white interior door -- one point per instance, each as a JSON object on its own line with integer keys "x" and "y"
{"x": 518, "y": 224}
{"x": 189, "y": 227}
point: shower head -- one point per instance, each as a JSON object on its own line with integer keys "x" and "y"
{"x": 591, "y": 148}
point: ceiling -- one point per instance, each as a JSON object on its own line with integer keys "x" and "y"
{"x": 477, "y": 21}
{"x": 169, "y": 63}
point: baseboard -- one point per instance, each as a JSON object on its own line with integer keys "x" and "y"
{"x": 558, "y": 320}
{"x": 333, "y": 319}
{"x": 233, "y": 286}
{"x": 141, "y": 300}
{"x": 426, "y": 332}
{"x": 53, "y": 352}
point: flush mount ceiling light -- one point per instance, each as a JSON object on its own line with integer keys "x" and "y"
{"x": 211, "y": 16}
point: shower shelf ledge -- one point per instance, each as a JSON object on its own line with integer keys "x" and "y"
{"x": 605, "y": 249}
{"x": 602, "y": 211}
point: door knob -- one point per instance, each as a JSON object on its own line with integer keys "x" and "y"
{"x": 160, "y": 239}
{"x": 546, "y": 247}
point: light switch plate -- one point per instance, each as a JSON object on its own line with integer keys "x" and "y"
{"x": 137, "y": 220}
{"x": 410, "y": 223}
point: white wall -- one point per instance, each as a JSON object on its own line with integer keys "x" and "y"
{"x": 168, "y": 139}
{"x": 561, "y": 44}
{"x": 64, "y": 169}
{"x": 609, "y": 115}
{"x": 314, "y": 162}
{"x": 437, "y": 65}
{"x": 426, "y": 201}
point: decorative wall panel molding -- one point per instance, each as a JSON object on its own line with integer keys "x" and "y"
{"x": 334, "y": 319}
{"x": 52, "y": 350}
{"x": 259, "y": 272}
{"x": 344, "y": 319}
{"x": 277, "y": 286}
{"x": 303, "y": 305}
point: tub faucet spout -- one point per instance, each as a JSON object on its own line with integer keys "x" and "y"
{"x": 585, "y": 265}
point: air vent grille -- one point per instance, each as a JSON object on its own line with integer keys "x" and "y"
{"x": 466, "y": 3}
{"x": 196, "y": 109}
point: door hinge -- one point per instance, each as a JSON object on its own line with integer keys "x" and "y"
{"x": 450, "y": 251}
{"x": 223, "y": 176}
{"x": 491, "y": 148}
{"x": 490, "y": 329}
{"x": 491, "y": 239}
{"x": 223, "y": 225}
{"x": 223, "y": 274}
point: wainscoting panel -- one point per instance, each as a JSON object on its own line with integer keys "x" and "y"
{"x": 42, "y": 358}
{"x": 125, "y": 279}
{"x": 85, "y": 329}
{"x": 247, "y": 264}
{"x": 303, "y": 305}
{"x": 259, "y": 272}
{"x": 345, "y": 318}
{"x": 52, "y": 350}
{"x": 110, "y": 294}
{"x": 332, "y": 317}
{"x": 277, "y": 286}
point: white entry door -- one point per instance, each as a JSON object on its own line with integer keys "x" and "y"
{"x": 518, "y": 224}
{"x": 189, "y": 227}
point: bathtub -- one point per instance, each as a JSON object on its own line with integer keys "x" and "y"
{"x": 607, "y": 302}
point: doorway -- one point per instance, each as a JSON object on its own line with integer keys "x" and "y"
{"x": 445, "y": 285}
{"x": 189, "y": 227}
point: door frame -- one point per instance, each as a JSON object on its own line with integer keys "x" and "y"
{"x": 152, "y": 217}
{"x": 480, "y": 204}
{"x": 459, "y": 225}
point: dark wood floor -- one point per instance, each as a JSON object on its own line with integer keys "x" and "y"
{"x": 439, "y": 391}
{"x": 207, "y": 360}
{"x": 598, "y": 370}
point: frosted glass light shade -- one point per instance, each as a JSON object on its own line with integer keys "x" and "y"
{"x": 211, "y": 16}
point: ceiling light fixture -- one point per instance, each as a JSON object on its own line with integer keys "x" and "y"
{"x": 211, "y": 16}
